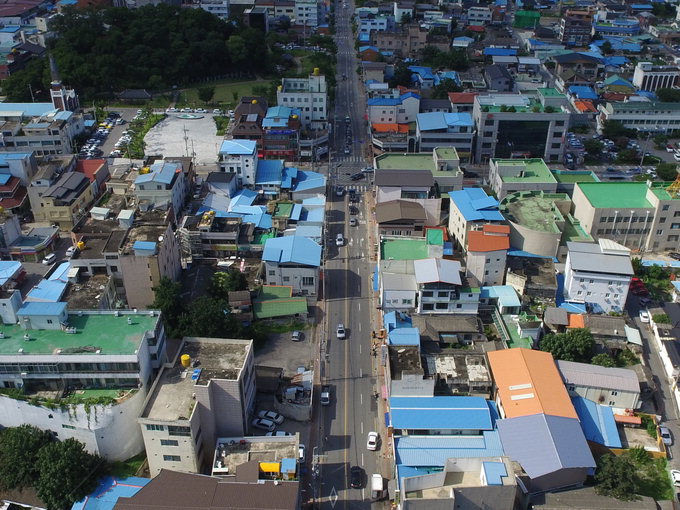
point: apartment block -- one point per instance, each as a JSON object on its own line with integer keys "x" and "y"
{"x": 643, "y": 115}
{"x": 239, "y": 157}
{"x": 648, "y": 76}
{"x": 309, "y": 96}
{"x": 471, "y": 208}
{"x": 65, "y": 201}
{"x": 439, "y": 129}
{"x": 162, "y": 186}
{"x": 576, "y": 28}
{"x": 486, "y": 254}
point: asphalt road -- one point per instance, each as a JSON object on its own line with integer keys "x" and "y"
{"x": 347, "y": 364}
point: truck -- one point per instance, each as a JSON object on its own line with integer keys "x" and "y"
{"x": 377, "y": 486}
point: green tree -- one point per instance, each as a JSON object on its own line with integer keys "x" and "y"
{"x": 224, "y": 282}
{"x": 209, "y": 317}
{"x": 661, "y": 318}
{"x": 668, "y": 95}
{"x": 406, "y": 18}
{"x": 168, "y": 299}
{"x": 574, "y": 345}
{"x": 19, "y": 447}
{"x": 615, "y": 477}
{"x": 607, "y": 48}
{"x": 667, "y": 171}
{"x": 604, "y": 360}
{"x": 593, "y": 147}
{"x": 238, "y": 52}
{"x": 442, "y": 90}
{"x": 67, "y": 473}
{"x": 30, "y": 83}
{"x": 234, "y": 95}
{"x": 402, "y": 76}
{"x": 614, "y": 129}
{"x": 206, "y": 93}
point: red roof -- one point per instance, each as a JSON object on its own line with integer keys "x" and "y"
{"x": 585, "y": 105}
{"x": 489, "y": 239}
{"x": 389, "y": 128}
{"x": 14, "y": 201}
{"x": 475, "y": 28}
{"x": 462, "y": 97}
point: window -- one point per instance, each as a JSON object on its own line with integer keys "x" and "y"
{"x": 286, "y": 278}
{"x": 663, "y": 220}
{"x": 556, "y": 145}
{"x": 579, "y": 293}
{"x": 488, "y": 122}
{"x": 149, "y": 426}
{"x": 428, "y": 306}
{"x": 614, "y": 393}
{"x": 169, "y": 442}
{"x": 443, "y": 294}
{"x": 172, "y": 458}
{"x": 406, "y": 301}
{"x": 176, "y": 430}
{"x": 64, "y": 426}
{"x": 442, "y": 306}
{"x": 665, "y": 207}
{"x": 428, "y": 293}
{"x": 659, "y": 232}
{"x": 49, "y": 321}
{"x": 307, "y": 281}
{"x": 272, "y": 273}
{"x": 675, "y": 226}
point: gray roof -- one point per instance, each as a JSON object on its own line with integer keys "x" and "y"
{"x": 589, "y": 257}
{"x": 586, "y": 498}
{"x": 544, "y": 444}
{"x": 431, "y": 326}
{"x": 429, "y": 104}
{"x": 220, "y": 177}
{"x": 595, "y": 376}
{"x": 497, "y": 72}
{"x": 68, "y": 187}
{"x": 420, "y": 178}
{"x": 605, "y": 325}
{"x": 556, "y": 316}
{"x": 400, "y": 281}
{"x": 399, "y": 210}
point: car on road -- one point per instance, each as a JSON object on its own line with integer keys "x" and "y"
{"x": 357, "y": 176}
{"x": 49, "y": 259}
{"x": 353, "y": 222}
{"x": 675, "y": 476}
{"x": 340, "y": 331}
{"x": 325, "y": 395}
{"x": 666, "y": 436}
{"x": 71, "y": 251}
{"x": 171, "y": 110}
{"x": 353, "y": 210}
{"x": 296, "y": 336}
{"x": 372, "y": 441}
{"x": 201, "y": 110}
{"x": 339, "y": 191}
{"x": 368, "y": 170}
{"x": 271, "y": 416}
{"x": 356, "y": 477}
{"x": 676, "y": 156}
{"x": 217, "y": 111}
{"x": 301, "y": 453}
{"x": 260, "y": 423}
{"x": 347, "y": 150}
{"x": 644, "y": 316}
{"x": 339, "y": 240}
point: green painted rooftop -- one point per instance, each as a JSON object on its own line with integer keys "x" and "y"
{"x": 534, "y": 210}
{"x": 550, "y": 92}
{"x": 261, "y": 237}
{"x": 435, "y": 236}
{"x": 516, "y": 340}
{"x": 279, "y": 307}
{"x": 404, "y": 249}
{"x": 283, "y": 209}
{"x": 275, "y": 291}
{"x": 573, "y": 231}
{"x": 573, "y": 177}
{"x": 609, "y": 195}
{"x": 447, "y": 152}
{"x": 535, "y": 170}
{"x": 111, "y": 334}
{"x": 416, "y": 161}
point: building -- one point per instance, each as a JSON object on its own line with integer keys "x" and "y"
{"x": 394, "y": 110}
{"x": 307, "y": 15}
{"x": 208, "y": 392}
{"x": 499, "y": 79}
{"x": 239, "y": 157}
{"x": 583, "y": 64}
{"x": 441, "y": 289}
{"x": 219, "y": 8}
{"x": 486, "y": 254}
{"x": 439, "y": 129}
{"x": 69, "y": 366}
{"x": 478, "y": 15}
{"x": 619, "y": 27}
{"x": 515, "y": 125}
{"x": 22, "y": 165}
{"x": 646, "y": 116}
{"x": 471, "y": 208}
{"x": 598, "y": 275}
{"x": 293, "y": 261}
{"x": 281, "y": 133}
{"x": 512, "y": 175}
{"x": 162, "y": 187}
{"x": 400, "y": 218}
{"x": 638, "y": 216}
{"x": 576, "y": 28}
{"x": 64, "y": 202}
{"x": 307, "y": 95}
{"x": 613, "y": 387}
{"x": 648, "y": 76}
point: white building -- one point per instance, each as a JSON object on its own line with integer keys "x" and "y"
{"x": 309, "y": 96}
{"x": 293, "y": 261}
{"x": 398, "y": 288}
{"x": 239, "y": 157}
{"x": 393, "y": 110}
{"x": 441, "y": 289}
{"x": 439, "y": 129}
{"x": 470, "y": 208}
{"x": 219, "y": 8}
{"x": 306, "y": 14}
{"x": 642, "y": 115}
{"x": 162, "y": 187}
{"x": 398, "y": 11}
{"x": 598, "y": 275}
{"x": 377, "y": 23}
{"x": 613, "y": 387}
{"x": 479, "y": 15}
{"x": 648, "y": 76}
{"x": 208, "y": 392}
{"x": 487, "y": 250}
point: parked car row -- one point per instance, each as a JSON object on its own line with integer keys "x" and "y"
{"x": 215, "y": 111}
{"x": 92, "y": 148}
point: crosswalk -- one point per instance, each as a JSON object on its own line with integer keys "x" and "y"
{"x": 349, "y": 158}
{"x": 359, "y": 188}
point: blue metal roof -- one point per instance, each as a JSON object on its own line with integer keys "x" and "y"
{"x": 440, "y": 120}
{"x": 422, "y": 71}
{"x": 393, "y": 320}
{"x": 7, "y": 269}
{"x": 475, "y": 205}
{"x": 500, "y": 52}
{"x": 494, "y": 472}
{"x": 289, "y": 173}
{"x": 34, "y": 308}
{"x": 278, "y": 116}
{"x": 384, "y": 101}
{"x": 244, "y": 197}
{"x": 545, "y": 444}
{"x": 288, "y": 465}
{"x": 162, "y": 172}
{"x": 597, "y": 422}
{"x": 440, "y": 413}
{"x": 144, "y": 246}
{"x": 311, "y": 231}
{"x": 106, "y": 495}
{"x": 61, "y": 272}
{"x": 269, "y": 171}
{"x": 11, "y": 156}
{"x": 48, "y": 291}
{"x": 4, "y": 179}
{"x": 238, "y": 147}
{"x": 292, "y": 249}
{"x": 583, "y": 92}
{"x": 296, "y": 212}
{"x": 28, "y": 109}
{"x": 307, "y": 180}
{"x": 506, "y": 295}
{"x": 404, "y": 336}
{"x": 421, "y": 451}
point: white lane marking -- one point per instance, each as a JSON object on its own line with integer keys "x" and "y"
{"x": 360, "y": 326}
{"x": 362, "y": 458}
{"x": 363, "y": 496}
{"x": 359, "y": 307}
{"x": 362, "y": 427}
{"x": 359, "y": 348}
{"x": 361, "y": 398}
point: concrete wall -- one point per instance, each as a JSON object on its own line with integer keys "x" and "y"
{"x": 534, "y": 241}
{"x": 292, "y": 276}
{"x": 477, "y": 265}
{"x": 622, "y": 399}
{"x": 393, "y": 299}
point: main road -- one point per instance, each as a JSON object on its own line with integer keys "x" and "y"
{"x": 347, "y": 364}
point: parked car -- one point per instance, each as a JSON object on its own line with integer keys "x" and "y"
{"x": 666, "y": 436}
{"x": 340, "y": 331}
{"x": 339, "y": 191}
{"x": 339, "y": 240}
{"x": 372, "y": 441}
{"x": 353, "y": 222}
{"x": 201, "y": 110}
{"x": 675, "y": 476}
{"x": 278, "y": 433}
{"x": 353, "y": 210}
{"x": 262, "y": 424}
{"x": 272, "y": 416}
{"x": 296, "y": 336}
{"x": 217, "y": 111}
{"x": 356, "y": 477}
{"x": 357, "y": 176}
{"x": 71, "y": 251}
{"x": 49, "y": 259}
{"x": 325, "y": 395}
{"x": 644, "y": 316}
{"x": 674, "y": 255}
{"x": 301, "y": 453}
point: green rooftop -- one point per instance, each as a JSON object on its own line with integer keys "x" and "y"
{"x": 524, "y": 170}
{"x": 633, "y": 195}
{"x": 447, "y": 152}
{"x": 550, "y": 92}
{"x": 279, "y": 307}
{"x": 283, "y": 210}
{"x": 573, "y": 231}
{"x": 534, "y": 210}
{"x": 515, "y": 340}
{"x": 435, "y": 236}
{"x": 417, "y": 161}
{"x": 574, "y": 177}
{"x": 111, "y": 334}
{"x": 261, "y": 237}
{"x": 403, "y": 249}
{"x": 275, "y": 292}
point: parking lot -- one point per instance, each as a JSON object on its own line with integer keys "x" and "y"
{"x": 177, "y": 136}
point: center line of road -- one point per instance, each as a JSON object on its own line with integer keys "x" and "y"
{"x": 360, "y": 326}
{"x": 362, "y": 429}
{"x": 362, "y": 457}
{"x": 361, "y": 373}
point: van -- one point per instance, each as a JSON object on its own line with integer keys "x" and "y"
{"x": 377, "y": 486}
{"x": 49, "y": 259}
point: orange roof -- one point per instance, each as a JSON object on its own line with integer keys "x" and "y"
{"x": 498, "y": 229}
{"x": 585, "y": 105}
{"x": 576, "y": 320}
{"x": 528, "y": 383}
{"x": 390, "y": 128}
{"x": 622, "y": 418}
{"x": 487, "y": 240}
{"x": 462, "y": 97}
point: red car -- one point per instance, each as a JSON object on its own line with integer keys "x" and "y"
{"x": 637, "y": 287}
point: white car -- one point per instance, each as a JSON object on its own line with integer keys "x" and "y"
{"x": 272, "y": 416}
{"x": 71, "y": 251}
{"x": 217, "y": 111}
{"x": 340, "y": 331}
{"x": 644, "y": 316}
{"x": 675, "y": 476}
{"x": 49, "y": 259}
{"x": 372, "y": 442}
{"x": 666, "y": 436}
{"x": 676, "y": 156}
{"x": 301, "y": 453}
{"x": 278, "y": 433}
{"x": 267, "y": 425}
{"x": 339, "y": 240}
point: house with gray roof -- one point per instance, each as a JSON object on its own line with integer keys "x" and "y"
{"x": 65, "y": 201}
{"x": 400, "y": 218}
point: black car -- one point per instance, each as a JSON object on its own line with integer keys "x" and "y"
{"x": 356, "y": 477}
{"x": 674, "y": 255}
{"x": 470, "y": 175}
{"x": 353, "y": 210}
{"x": 357, "y": 176}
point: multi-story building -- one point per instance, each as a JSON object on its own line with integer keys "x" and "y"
{"x": 441, "y": 289}
{"x": 583, "y": 64}
{"x": 471, "y": 208}
{"x": 638, "y": 216}
{"x": 405, "y": 43}
{"x": 598, "y": 275}
{"x": 613, "y": 387}
{"x": 208, "y": 392}
{"x": 293, "y": 261}
{"x": 620, "y": 27}
{"x": 393, "y": 110}
{"x": 162, "y": 186}
{"x": 281, "y": 133}
{"x": 651, "y": 116}
{"x": 512, "y": 175}
{"x": 85, "y": 372}
{"x": 648, "y": 76}
{"x": 309, "y": 96}
{"x": 478, "y": 15}
{"x": 576, "y": 28}
{"x": 486, "y": 254}
{"x": 210, "y": 236}
{"x": 515, "y": 125}
{"x": 22, "y": 165}
{"x": 307, "y": 14}
{"x": 370, "y": 23}
{"x": 219, "y": 8}
{"x": 438, "y": 129}
{"x": 65, "y": 201}
{"x": 239, "y": 157}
